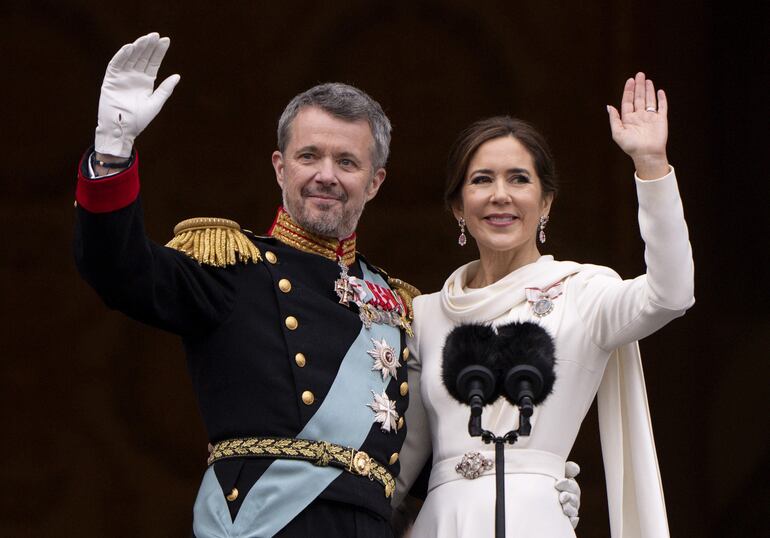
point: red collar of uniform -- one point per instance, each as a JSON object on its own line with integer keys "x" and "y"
{"x": 287, "y": 231}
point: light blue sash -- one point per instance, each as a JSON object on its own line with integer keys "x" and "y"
{"x": 288, "y": 486}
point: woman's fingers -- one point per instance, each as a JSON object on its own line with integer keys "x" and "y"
{"x": 651, "y": 104}
{"x": 662, "y": 103}
{"x": 640, "y": 87}
{"x": 616, "y": 124}
{"x": 627, "y": 101}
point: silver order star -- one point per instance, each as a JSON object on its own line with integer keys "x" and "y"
{"x": 384, "y": 411}
{"x": 385, "y": 358}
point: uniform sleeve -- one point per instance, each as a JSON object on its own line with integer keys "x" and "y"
{"x": 617, "y": 311}
{"x": 417, "y": 445}
{"x": 149, "y": 282}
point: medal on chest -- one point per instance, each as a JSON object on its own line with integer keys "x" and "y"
{"x": 541, "y": 302}
{"x": 376, "y": 304}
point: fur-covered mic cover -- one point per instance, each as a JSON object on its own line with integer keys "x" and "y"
{"x": 464, "y": 346}
{"x": 527, "y": 343}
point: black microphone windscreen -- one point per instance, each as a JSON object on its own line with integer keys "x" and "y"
{"x": 467, "y": 345}
{"x": 529, "y": 344}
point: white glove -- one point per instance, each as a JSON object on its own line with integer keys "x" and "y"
{"x": 127, "y": 103}
{"x": 570, "y": 492}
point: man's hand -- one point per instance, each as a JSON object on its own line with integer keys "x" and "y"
{"x": 128, "y": 103}
{"x": 570, "y": 492}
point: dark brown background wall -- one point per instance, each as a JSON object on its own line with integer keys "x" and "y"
{"x": 102, "y": 434}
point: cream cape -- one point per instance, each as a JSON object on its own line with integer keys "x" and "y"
{"x": 634, "y": 491}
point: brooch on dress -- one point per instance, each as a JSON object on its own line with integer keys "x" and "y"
{"x": 473, "y": 465}
{"x": 541, "y": 301}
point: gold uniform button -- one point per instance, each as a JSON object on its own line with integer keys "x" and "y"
{"x": 291, "y": 323}
{"x": 400, "y": 423}
{"x": 233, "y": 495}
{"x": 393, "y": 458}
{"x": 405, "y": 354}
{"x": 271, "y": 257}
{"x": 308, "y": 397}
{"x": 284, "y": 285}
{"x": 299, "y": 358}
{"x": 404, "y": 388}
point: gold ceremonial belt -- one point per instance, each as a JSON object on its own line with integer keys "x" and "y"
{"x": 319, "y": 453}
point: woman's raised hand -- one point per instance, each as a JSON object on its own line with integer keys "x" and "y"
{"x": 641, "y": 127}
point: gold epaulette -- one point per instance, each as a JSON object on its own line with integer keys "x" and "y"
{"x": 214, "y": 241}
{"x": 406, "y": 291}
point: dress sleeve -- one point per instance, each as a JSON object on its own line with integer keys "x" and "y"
{"x": 149, "y": 282}
{"x": 617, "y": 311}
{"x": 417, "y": 445}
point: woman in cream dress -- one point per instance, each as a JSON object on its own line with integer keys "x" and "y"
{"x": 501, "y": 188}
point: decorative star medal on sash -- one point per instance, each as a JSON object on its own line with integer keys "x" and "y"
{"x": 541, "y": 301}
{"x": 385, "y": 358}
{"x": 376, "y": 304}
{"x": 384, "y": 412}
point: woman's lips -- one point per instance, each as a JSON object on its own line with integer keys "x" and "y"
{"x": 500, "y": 219}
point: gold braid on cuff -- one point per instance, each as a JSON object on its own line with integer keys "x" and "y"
{"x": 319, "y": 453}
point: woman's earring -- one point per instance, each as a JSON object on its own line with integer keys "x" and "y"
{"x": 541, "y": 227}
{"x": 462, "y": 239}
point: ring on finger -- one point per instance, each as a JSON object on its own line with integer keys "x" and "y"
{"x": 650, "y": 109}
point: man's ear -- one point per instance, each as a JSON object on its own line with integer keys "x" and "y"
{"x": 375, "y": 183}
{"x": 278, "y": 166}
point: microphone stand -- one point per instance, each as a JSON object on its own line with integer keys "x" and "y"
{"x": 475, "y": 430}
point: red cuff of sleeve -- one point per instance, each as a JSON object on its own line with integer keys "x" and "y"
{"x": 108, "y": 194}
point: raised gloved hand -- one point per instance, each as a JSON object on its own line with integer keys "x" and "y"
{"x": 128, "y": 103}
{"x": 570, "y": 492}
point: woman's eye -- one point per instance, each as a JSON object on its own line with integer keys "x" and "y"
{"x": 475, "y": 180}
{"x": 520, "y": 179}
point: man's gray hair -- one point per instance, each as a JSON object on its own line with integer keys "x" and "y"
{"x": 347, "y": 103}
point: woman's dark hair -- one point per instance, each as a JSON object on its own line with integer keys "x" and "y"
{"x": 473, "y": 137}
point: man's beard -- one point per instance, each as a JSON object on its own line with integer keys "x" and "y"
{"x": 337, "y": 223}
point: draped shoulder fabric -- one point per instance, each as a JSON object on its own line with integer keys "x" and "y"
{"x": 464, "y": 305}
{"x": 634, "y": 491}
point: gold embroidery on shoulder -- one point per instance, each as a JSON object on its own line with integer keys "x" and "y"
{"x": 406, "y": 291}
{"x": 214, "y": 241}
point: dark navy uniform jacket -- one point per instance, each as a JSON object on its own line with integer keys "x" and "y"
{"x": 249, "y": 370}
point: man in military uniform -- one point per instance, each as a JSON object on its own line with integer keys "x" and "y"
{"x": 295, "y": 343}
